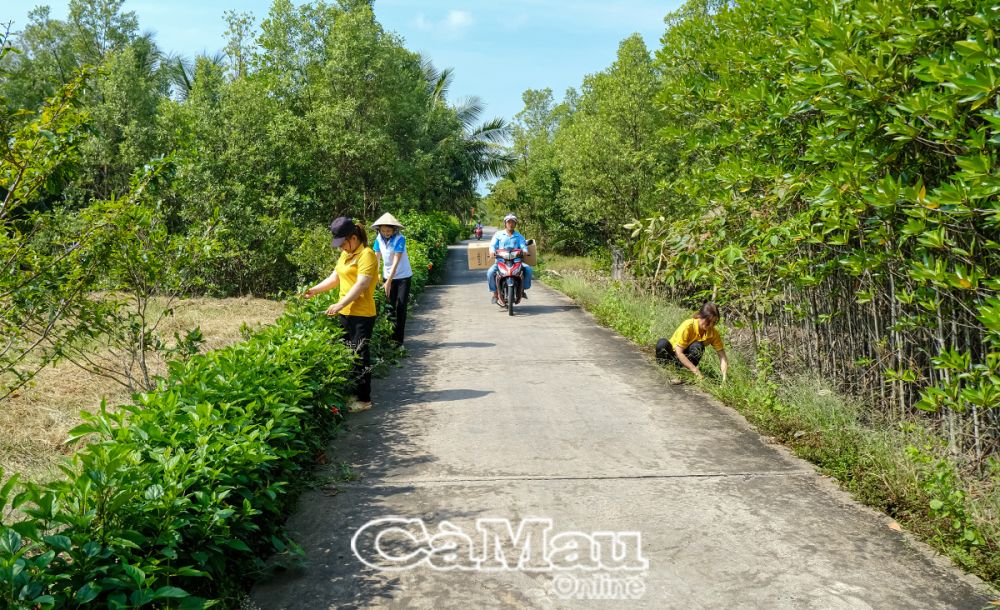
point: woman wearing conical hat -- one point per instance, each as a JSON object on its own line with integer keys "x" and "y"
{"x": 390, "y": 247}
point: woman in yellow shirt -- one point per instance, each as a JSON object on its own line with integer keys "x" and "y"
{"x": 687, "y": 345}
{"x": 355, "y": 274}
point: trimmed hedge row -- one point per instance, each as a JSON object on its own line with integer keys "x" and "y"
{"x": 428, "y": 235}
{"x": 179, "y": 498}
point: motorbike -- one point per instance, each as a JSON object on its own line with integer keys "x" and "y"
{"x": 478, "y": 232}
{"x": 510, "y": 278}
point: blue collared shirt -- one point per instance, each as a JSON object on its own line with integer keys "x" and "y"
{"x": 391, "y": 248}
{"x": 502, "y": 241}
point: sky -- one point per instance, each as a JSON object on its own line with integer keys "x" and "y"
{"x": 498, "y": 49}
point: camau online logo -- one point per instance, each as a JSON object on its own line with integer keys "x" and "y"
{"x": 586, "y": 565}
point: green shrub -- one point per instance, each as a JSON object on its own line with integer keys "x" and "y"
{"x": 183, "y": 491}
{"x": 436, "y": 231}
{"x": 314, "y": 257}
{"x": 178, "y": 498}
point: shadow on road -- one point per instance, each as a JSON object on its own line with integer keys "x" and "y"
{"x": 541, "y": 310}
{"x": 414, "y": 345}
{"x": 444, "y": 396}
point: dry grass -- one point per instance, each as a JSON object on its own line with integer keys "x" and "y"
{"x": 567, "y": 264}
{"x": 34, "y": 421}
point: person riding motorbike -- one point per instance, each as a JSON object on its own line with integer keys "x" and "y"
{"x": 478, "y": 231}
{"x": 507, "y": 239}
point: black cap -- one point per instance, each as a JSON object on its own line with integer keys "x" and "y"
{"x": 342, "y": 228}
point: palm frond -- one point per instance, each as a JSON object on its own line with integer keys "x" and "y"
{"x": 180, "y": 75}
{"x": 443, "y": 84}
{"x": 495, "y": 130}
{"x": 486, "y": 159}
{"x": 495, "y": 166}
{"x": 217, "y": 59}
{"x": 468, "y": 111}
{"x": 431, "y": 74}
{"x": 149, "y": 56}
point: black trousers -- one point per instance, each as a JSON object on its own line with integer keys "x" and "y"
{"x": 358, "y": 335}
{"x": 665, "y": 352}
{"x": 398, "y": 299}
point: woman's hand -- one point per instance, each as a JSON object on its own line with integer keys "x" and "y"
{"x": 334, "y": 309}
{"x": 331, "y": 282}
{"x": 387, "y": 286}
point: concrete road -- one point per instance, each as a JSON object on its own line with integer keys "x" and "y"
{"x": 547, "y": 416}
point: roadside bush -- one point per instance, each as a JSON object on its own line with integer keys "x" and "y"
{"x": 182, "y": 492}
{"x": 313, "y": 257}
{"x": 435, "y": 230}
{"x": 180, "y": 497}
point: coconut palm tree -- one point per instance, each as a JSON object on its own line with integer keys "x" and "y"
{"x": 483, "y": 144}
{"x": 181, "y": 72}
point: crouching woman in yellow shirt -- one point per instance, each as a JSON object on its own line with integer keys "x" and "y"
{"x": 687, "y": 345}
{"x": 355, "y": 273}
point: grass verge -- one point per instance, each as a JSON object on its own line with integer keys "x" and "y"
{"x": 901, "y": 468}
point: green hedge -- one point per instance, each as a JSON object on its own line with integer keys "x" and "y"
{"x": 179, "y": 498}
{"x": 435, "y": 230}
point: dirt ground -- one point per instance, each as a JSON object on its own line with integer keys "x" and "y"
{"x": 35, "y": 420}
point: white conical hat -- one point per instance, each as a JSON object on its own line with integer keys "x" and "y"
{"x": 388, "y": 220}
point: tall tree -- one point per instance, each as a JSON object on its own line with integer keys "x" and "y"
{"x": 607, "y": 153}
{"x": 99, "y": 27}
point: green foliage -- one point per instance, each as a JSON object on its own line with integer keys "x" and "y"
{"x": 321, "y": 113}
{"x": 533, "y": 187}
{"x": 183, "y": 490}
{"x": 139, "y": 260}
{"x": 948, "y": 502}
{"x": 826, "y": 172}
{"x": 178, "y": 499}
{"x": 313, "y": 257}
{"x": 122, "y": 105}
{"x": 290, "y": 142}
{"x": 628, "y": 316}
{"x": 869, "y": 128}
{"x": 45, "y": 280}
{"x": 590, "y": 164}
{"x": 607, "y": 152}
{"x": 434, "y": 232}
{"x": 73, "y": 275}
